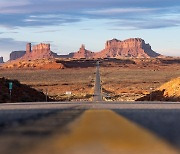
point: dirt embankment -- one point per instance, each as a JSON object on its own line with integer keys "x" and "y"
{"x": 20, "y": 92}
{"x": 169, "y": 91}
{"x": 33, "y": 64}
{"x": 60, "y": 63}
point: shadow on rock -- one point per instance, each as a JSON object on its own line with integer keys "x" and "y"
{"x": 20, "y": 92}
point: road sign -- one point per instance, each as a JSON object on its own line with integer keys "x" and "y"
{"x": 10, "y": 85}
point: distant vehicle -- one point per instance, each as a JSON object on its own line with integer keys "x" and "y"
{"x": 68, "y": 92}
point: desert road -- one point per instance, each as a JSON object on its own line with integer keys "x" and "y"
{"x": 87, "y": 127}
{"x": 97, "y": 86}
{"x": 96, "y": 127}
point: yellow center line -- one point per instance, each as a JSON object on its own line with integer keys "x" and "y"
{"x": 105, "y": 132}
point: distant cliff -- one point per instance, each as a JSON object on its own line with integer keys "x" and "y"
{"x": 40, "y": 51}
{"x": 134, "y": 47}
{"x": 1, "y": 60}
{"x": 83, "y": 53}
{"x": 16, "y": 54}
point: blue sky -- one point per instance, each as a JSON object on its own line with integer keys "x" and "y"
{"x": 67, "y": 24}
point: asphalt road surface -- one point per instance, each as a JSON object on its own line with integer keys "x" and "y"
{"x": 97, "y": 86}
{"x": 90, "y": 127}
{"x": 96, "y": 127}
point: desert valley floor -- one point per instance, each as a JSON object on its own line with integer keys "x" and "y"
{"x": 122, "y": 80}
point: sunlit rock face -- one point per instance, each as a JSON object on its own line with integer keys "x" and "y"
{"x": 134, "y": 47}
{"x": 83, "y": 53}
{"x": 40, "y": 51}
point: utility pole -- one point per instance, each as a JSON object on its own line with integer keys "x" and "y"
{"x": 150, "y": 96}
{"x": 46, "y": 95}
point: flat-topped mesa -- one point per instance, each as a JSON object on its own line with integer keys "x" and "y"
{"x": 129, "y": 43}
{"x": 16, "y": 54}
{"x": 133, "y": 47}
{"x": 19, "y": 54}
{"x": 41, "y": 47}
{"x": 1, "y": 60}
{"x": 40, "y": 51}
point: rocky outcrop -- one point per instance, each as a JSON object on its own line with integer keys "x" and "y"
{"x": 20, "y": 92}
{"x": 134, "y": 47}
{"x": 40, "y": 51}
{"x": 169, "y": 91}
{"x": 33, "y": 64}
{"x": 1, "y": 60}
{"x": 28, "y": 48}
{"x": 16, "y": 55}
{"x": 83, "y": 53}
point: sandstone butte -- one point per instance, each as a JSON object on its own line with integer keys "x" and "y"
{"x": 40, "y": 51}
{"x": 17, "y": 54}
{"x": 83, "y": 53}
{"x": 39, "y": 57}
{"x": 134, "y": 47}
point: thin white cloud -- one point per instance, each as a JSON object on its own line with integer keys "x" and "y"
{"x": 9, "y": 6}
{"x": 121, "y": 10}
{"x": 10, "y": 3}
{"x": 49, "y": 19}
{"x": 48, "y": 31}
{"x": 13, "y": 11}
{"x": 30, "y": 20}
{"x": 21, "y": 13}
{"x": 143, "y": 23}
{"x": 50, "y": 16}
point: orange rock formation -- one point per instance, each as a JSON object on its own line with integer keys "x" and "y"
{"x": 83, "y": 53}
{"x": 135, "y": 47}
{"x": 40, "y": 51}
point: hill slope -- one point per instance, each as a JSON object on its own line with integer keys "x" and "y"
{"x": 20, "y": 92}
{"x": 169, "y": 91}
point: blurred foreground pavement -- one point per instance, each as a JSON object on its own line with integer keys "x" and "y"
{"x": 86, "y": 127}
